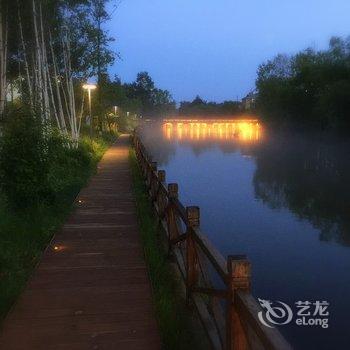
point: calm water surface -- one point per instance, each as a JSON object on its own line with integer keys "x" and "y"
{"x": 281, "y": 198}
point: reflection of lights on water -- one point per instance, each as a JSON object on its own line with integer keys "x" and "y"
{"x": 241, "y": 130}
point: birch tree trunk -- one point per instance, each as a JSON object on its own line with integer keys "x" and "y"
{"x": 24, "y": 52}
{"x": 61, "y": 117}
{"x": 44, "y": 67}
{"x": 38, "y": 65}
{"x": 3, "y": 56}
{"x": 69, "y": 94}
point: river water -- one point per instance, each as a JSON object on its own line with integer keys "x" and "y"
{"x": 282, "y": 198}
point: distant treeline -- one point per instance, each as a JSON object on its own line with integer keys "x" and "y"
{"x": 204, "y": 108}
{"x": 140, "y": 97}
{"x": 310, "y": 88}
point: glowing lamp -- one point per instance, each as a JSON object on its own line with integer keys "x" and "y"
{"x": 89, "y": 86}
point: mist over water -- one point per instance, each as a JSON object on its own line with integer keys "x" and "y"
{"x": 282, "y": 198}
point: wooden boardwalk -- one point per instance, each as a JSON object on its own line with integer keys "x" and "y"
{"x": 91, "y": 289}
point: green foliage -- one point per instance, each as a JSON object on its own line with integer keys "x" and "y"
{"x": 140, "y": 97}
{"x": 89, "y": 43}
{"x": 154, "y": 102}
{"x": 24, "y": 234}
{"x": 204, "y": 108}
{"x": 310, "y": 88}
{"x": 38, "y": 164}
{"x": 23, "y": 160}
{"x": 127, "y": 124}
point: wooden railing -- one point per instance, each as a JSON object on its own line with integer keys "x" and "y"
{"x": 229, "y": 314}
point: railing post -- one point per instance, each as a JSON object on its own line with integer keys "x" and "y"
{"x": 152, "y": 166}
{"x": 134, "y": 138}
{"x": 143, "y": 161}
{"x": 161, "y": 175}
{"x": 161, "y": 195}
{"x": 173, "y": 190}
{"x": 153, "y": 181}
{"x": 173, "y": 193}
{"x": 193, "y": 216}
{"x": 239, "y": 271}
{"x": 146, "y": 161}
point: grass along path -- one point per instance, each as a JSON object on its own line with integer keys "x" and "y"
{"x": 178, "y": 327}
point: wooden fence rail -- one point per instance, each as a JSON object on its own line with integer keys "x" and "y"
{"x": 229, "y": 314}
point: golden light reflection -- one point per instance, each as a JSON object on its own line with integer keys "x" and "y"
{"x": 245, "y": 130}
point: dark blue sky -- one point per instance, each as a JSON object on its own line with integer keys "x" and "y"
{"x": 213, "y": 47}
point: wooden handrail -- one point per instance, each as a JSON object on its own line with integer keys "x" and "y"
{"x": 180, "y": 209}
{"x": 248, "y": 309}
{"x": 214, "y": 256}
{"x": 242, "y": 329}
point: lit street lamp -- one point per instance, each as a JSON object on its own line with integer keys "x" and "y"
{"x": 115, "y": 110}
{"x": 90, "y": 87}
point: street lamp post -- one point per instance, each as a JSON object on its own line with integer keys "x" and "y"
{"x": 90, "y": 87}
{"x": 115, "y": 110}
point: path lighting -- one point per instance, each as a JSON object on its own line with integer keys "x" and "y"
{"x": 115, "y": 110}
{"x": 90, "y": 87}
{"x": 127, "y": 114}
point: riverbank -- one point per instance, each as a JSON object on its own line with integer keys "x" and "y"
{"x": 26, "y": 230}
{"x": 176, "y": 322}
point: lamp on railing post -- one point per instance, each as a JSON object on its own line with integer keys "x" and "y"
{"x": 239, "y": 272}
{"x": 161, "y": 175}
{"x": 193, "y": 215}
{"x": 90, "y": 87}
{"x": 173, "y": 189}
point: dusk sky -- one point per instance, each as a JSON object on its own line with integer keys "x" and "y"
{"x": 213, "y": 48}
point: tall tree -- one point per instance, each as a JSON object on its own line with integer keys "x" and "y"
{"x": 311, "y": 88}
{"x": 154, "y": 101}
{"x": 52, "y": 47}
{"x": 3, "y": 53}
{"x": 143, "y": 89}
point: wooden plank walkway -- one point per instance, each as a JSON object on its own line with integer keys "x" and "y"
{"x": 91, "y": 289}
